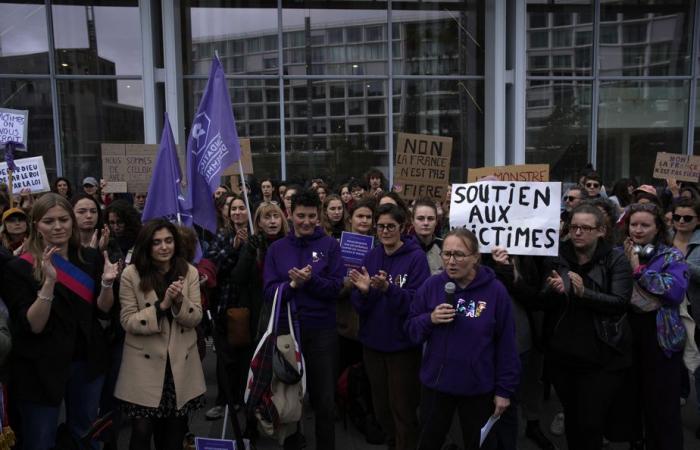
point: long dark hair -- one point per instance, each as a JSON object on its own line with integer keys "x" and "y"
{"x": 54, "y": 186}
{"x": 151, "y": 277}
{"x": 127, "y": 214}
{"x": 100, "y": 219}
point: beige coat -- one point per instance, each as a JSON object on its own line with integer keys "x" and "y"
{"x": 149, "y": 342}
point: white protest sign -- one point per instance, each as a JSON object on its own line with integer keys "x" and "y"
{"x": 521, "y": 216}
{"x": 30, "y": 173}
{"x": 13, "y": 126}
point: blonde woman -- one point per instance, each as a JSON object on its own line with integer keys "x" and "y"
{"x": 59, "y": 291}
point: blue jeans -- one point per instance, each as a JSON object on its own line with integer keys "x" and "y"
{"x": 39, "y": 422}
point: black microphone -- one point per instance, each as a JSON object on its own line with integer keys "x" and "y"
{"x": 450, "y": 289}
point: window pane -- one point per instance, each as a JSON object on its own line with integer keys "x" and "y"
{"x": 451, "y": 108}
{"x": 103, "y": 40}
{"x": 35, "y": 96}
{"x": 24, "y": 43}
{"x": 347, "y": 145}
{"x": 558, "y": 126}
{"x": 566, "y": 44}
{"x": 321, "y": 40}
{"x": 247, "y": 29}
{"x": 636, "y": 120}
{"x": 664, "y": 33}
{"x": 439, "y": 38}
{"x": 93, "y": 112}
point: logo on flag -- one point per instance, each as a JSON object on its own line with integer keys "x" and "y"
{"x": 200, "y": 128}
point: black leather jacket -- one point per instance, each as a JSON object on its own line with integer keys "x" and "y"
{"x": 590, "y": 330}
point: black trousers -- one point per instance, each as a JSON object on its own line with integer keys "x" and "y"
{"x": 437, "y": 410}
{"x": 658, "y": 381}
{"x": 320, "y": 350}
{"x": 587, "y": 396}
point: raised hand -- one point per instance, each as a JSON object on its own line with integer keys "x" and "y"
{"x": 111, "y": 271}
{"x": 555, "y": 281}
{"x": 47, "y": 267}
{"x": 380, "y": 281}
{"x": 360, "y": 279}
{"x": 104, "y": 239}
{"x": 500, "y": 255}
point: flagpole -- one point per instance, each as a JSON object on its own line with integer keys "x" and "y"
{"x": 245, "y": 196}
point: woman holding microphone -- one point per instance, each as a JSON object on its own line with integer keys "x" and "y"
{"x": 470, "y": 361}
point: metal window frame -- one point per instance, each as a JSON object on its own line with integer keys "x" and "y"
{"x": 596, "y": 80}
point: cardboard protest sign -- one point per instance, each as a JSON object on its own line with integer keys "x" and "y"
{"x": 520, "y": 172}
{"x": 680, "y": 167}
{"x": 523, "y": 217}
{"x": 246, "y": 160}
{"x": 129, "y": 163}
{"x": 422, "y": 166}
{"x": 353, "y": 248}
{"x": 14, "y": 124}
{"x": 30, "y": 173}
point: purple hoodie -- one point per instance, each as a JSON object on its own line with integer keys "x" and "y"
{"x": 476, "y": 353}
{"x": 315, "y": 300}
{"x": 383, "y": 314}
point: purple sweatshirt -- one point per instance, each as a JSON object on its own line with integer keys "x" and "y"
{"x": 476, "y": 353}
{"x": 383, "y": 314}
{"x": 315, "y": 299}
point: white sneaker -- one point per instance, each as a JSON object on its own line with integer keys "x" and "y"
{"x": 215, "y": 413}
{"x": 557, "y": 426}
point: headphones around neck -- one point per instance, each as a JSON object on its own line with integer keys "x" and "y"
{"x": 644, "y": 251}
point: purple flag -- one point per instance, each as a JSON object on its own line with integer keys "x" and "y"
{"x": 164, "y": 195}
{"x": 211, "y": 147}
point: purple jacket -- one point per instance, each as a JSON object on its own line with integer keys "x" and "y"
{"x": 383, "y": 314}
{"x": 315, "y": 300}
{"x": 476, "y": 353}
{"x": 665, "y": 275}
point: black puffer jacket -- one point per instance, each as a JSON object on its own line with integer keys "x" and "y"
{"x": 590, "y": 331}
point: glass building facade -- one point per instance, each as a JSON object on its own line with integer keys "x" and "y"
{"x": 324, "y": 87}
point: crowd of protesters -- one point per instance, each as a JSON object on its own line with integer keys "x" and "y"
{"x": 108, "y": 316}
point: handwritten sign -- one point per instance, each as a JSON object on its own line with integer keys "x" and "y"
{"x": 422, "y": 166}
{"x": 680, "y": 167}
{"x": 523, "y": 217}
{"x": 520, "y": 172}
{"x": 13, "y": 126}
{"x": 129, "y": 163}
{"x": 246, "y": 160}
{"x": 353, "y": 248}
{"x": 30, "y": 173}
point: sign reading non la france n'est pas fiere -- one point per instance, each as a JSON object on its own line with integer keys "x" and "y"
{"x": 522, "y": 217}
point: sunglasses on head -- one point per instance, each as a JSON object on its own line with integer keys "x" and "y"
{"x": 678, "y": 217}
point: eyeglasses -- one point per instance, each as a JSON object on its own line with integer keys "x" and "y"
{"x": 592, "y": 185}
{"x": 678, "y": 217}
{"x": 458, "y": 256}
{"x": 390, "y": 227}
{"x": 581, "y": 228}
{"x": 570, "y": 198}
